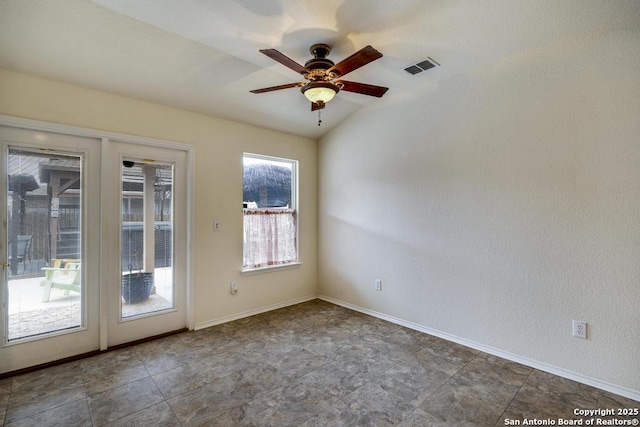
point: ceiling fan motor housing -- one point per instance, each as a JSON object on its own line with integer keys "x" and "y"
{"x": 319, "y": 60}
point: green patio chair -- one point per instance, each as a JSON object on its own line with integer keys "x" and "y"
{"x": 64, "y": 275}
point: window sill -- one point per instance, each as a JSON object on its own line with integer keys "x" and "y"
{"x": 251, "y": 271}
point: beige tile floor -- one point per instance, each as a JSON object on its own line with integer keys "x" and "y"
{"x": 313, "y": 364}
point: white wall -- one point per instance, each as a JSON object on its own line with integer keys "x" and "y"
{"x": 499, "y": 206}
{"x": 219, "y": 146}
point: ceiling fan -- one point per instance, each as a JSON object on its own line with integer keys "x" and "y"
{"x": 321, "y": 74}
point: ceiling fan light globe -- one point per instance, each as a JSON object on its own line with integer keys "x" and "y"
{"x": 316, "y": 92}
{"x": 320, "y": 94}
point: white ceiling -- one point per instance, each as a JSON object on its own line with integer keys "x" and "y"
{"x": 202, "y": 55}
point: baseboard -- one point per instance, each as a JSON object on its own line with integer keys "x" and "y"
{"x": 253, "y": 312}
{"x": 603, "y": 385}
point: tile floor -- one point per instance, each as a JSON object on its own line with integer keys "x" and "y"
{"x": 313, "y": 364}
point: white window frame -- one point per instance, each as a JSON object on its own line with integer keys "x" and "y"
{"x": 293, "y": 205}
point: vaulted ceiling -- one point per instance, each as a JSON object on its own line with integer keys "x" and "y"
{"x": 203, "y": 55}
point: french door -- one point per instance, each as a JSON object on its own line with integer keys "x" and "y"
{"x": 93, "y": 246}
{"x": 147, "y": 205}
{"x": 49, "y": 247}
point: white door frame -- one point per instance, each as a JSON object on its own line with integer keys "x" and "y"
{"x": 59, "y": 343}
{"x": 36, "y": 125}
{"x": 122, "y": 330}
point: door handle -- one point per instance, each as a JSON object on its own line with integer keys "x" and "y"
{"x": 5, "y": 265}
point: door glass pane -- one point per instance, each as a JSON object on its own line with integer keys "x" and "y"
{"x": 44, "y": 235}
{"x": 147, "y": 237}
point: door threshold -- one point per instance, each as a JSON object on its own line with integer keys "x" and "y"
{"x": 87, "y": 355}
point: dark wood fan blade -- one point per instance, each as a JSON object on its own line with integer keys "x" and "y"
{"x": 272, "y": 88}
{"x": 355, "y": 61}
{"x": 284, "y": 60}
{"x": 362, "y": 88}
{"x": 317, "y": 105}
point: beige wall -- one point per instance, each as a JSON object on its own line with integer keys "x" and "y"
{"x": 219, "y": 145}
{"x": 499, "y": 206}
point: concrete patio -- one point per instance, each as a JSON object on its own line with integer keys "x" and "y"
{"x": 29, "y": 316}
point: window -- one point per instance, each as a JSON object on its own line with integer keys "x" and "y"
{"x": 146, "y": 251}
{"x": 45, "y": 203}
{"x": 269, "y": 211}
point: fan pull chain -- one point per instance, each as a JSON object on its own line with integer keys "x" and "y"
{"x": 319, "y": 118}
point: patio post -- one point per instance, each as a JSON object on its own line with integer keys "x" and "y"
{"x": 148, "y": 234}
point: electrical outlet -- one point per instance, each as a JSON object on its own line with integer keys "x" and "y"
{"x": 378, "y": 284}
{"x": 580, "y": 329}
{"x": 233, "y": 288}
